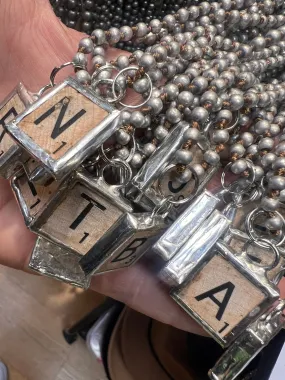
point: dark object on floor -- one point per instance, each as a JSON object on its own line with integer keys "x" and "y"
{"x": 134, "y": 345}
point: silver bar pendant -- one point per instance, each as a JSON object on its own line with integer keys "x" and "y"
{"x": 249, "y": 344}
{"x": 185, "y": 226}
{"x": 142, "y": 191}
{"x": 124, "y": 244}
{"x": 157, "y": 175}
{"x": 63, "y": 128}
{"x": 10, "y": 153}
{"x": 162, "y": 157}
{"x": 193, "y": 251}
{"x": 53, "y": 261}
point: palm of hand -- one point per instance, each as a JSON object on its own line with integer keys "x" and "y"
{"x": 33, "y": 42}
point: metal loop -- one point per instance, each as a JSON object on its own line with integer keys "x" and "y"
{"x": 133, "y": 150}
{"x": 251, "y": 230}
{"x": 91, "y": 162}
{"x": 105, "y": 158}
{"x": 252, "y": 197}
{"x": 52, "y": 78}
{"x": 191, "y": 196}
{"x": 116, "y": 79}
{"x": 278, "y": 277}
{"x": 130, "y": 156}
{"x": 56, "y": 70}
{"x": 159, "y": 207}
{"x": 264, "y": 243}
{"x": 115, "y": 163}
{"x": 235, "y": 123}
{"x": 228, "y": 188}
{"x": 43, "y": 89}
{"x": 211, "y": 123}
{"x": 109, "y": 82}
{"x": 106, "y": 67}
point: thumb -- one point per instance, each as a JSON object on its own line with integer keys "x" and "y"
{"x": 33, "y": 41}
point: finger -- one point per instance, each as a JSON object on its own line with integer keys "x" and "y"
{"x": 16, "y": 240}
{"x": 141, "y": 290}
{"x": 34, "y": 42}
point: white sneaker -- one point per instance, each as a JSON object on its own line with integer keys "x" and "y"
{"x": 3, "y": 372}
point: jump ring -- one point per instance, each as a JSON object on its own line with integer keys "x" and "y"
{"x": 114, "y": 89}
{"x": 159, "y": 207}
{"x": 264, "y": 243}
{"x": 228, "y": 188}
{"x": 109, "y": 82}
{"x": 250, "y": 228}
{"x": 117, "y": 162}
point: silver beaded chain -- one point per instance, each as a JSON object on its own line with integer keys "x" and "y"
{"x": 217, "y": 67}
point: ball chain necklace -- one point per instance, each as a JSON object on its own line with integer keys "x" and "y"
{"x": 118, "y": 159}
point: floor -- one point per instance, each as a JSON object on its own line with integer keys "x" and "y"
{"x": 33, "y": 312}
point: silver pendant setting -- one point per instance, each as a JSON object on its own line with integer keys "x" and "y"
{"x": 63, "y": 128}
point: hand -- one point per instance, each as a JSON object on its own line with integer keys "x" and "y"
{"x": 33, "y": 42}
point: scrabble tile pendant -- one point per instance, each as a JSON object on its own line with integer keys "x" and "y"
{"x": 224, "y": 294}
{"x": 87, "y": 216}
{"x": 10, "y": 153}
{"x": 63, "y": 128}
{"x": 124, "y": 243}
{"x": 32, "y": 198}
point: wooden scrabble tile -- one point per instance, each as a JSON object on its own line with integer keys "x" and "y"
{"x": 81, "y": 219}
{"x": 62, "y": 121}
{"x": 35, "y": 197}
{"x": 8, "y": 112}
{"x": 168, "y": 184}
{"x": 220, "y": 296}
{"x": 128, "y": 252}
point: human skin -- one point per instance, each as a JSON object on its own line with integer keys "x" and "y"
{"x": 33, "y": 41}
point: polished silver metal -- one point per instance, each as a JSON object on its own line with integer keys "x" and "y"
{"x": 211, "y": 124}
{"x": 87, "y": 145}
{"x": 251, "y": 272}
{"x": 53, "y": 261}
{"x": 162, "y": 157}
{"x": 11, "y": 159}
{"x": 107, "y": 67}
{"x": 35, "y": 222}
{"x": 240, "y": 240}
{"x": 249, "y": 344}
{"x": 186, "y": 225}
{"x": 124, "y": 244}
{"x": 195, "y": 250}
